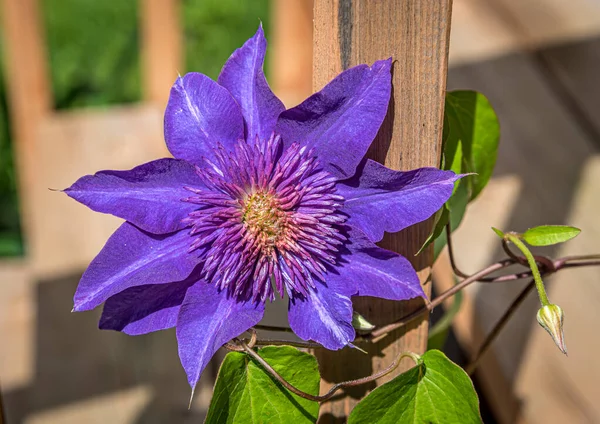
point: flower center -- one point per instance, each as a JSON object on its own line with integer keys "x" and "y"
{"x": 268, "y": 220}
{"x": 264, "y": 219}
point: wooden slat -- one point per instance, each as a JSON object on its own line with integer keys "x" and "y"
{"x": 574, "y": 69}
{"x": 478, "y": 33}
{"x": 483, "y": 29}
{"x": 415, "y": 33}
{"x": 556, "y": 42}
{"x": 543, "y": 22}
{"x": 161, "y": 47}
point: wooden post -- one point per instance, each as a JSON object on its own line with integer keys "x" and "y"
{"x": 28, "y": 89}
{"x": 415, "y": 33}
{"x": 161, "y": 47}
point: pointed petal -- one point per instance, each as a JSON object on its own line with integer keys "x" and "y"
{"x": 147, "y": 308}
{"x": 374, "y": 271}
{"x": 199, "y": 114}
{"x": 324, "y": 316}
{"x": 148, "y": 195}
{"x": 341, "y": 121}
{"x": 133, "y": 257}
{"x": 243, "y": 76}
{"x": 378, "y": 199}
{"x": 207, "y": 320}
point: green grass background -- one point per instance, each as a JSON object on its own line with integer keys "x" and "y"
{"x": 93, "y": 53}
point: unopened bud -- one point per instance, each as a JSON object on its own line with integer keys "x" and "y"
{"x": 551, "y": 317}
{"x": 360, "y": 324}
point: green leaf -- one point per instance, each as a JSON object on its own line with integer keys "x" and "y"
{"x": 435, "y": 391}
{"x": 457, "y": 206}
{"x": 246, "y": 393}
{"x": 470, "y": 145}
{"x": 471, "y": 139}
{"x": 498, "y": 232}
{"x": 442, "y": 217}
{"x": 546, "y": 235}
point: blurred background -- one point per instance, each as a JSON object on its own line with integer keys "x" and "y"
{"x": 83, "y": 88}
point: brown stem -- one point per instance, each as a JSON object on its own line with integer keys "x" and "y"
{"x": 566, "y": 262}
{"x": 294, "y": 343}
{"x": 236, "y": 347}
{"x": 546, "y": 264}
{"x": 273, "y": 328}
{"x": 583, "y": 259}
{"x": 578, "y": 264}
{"x": 511, "y": 254}
{"x": 375, "y": 334}
{"x": 336, "y": 387}
{"x": 499, "y": 326}
{"x": 580, "y": 257}
{"x": 558, "y": 264}
{"x": 507, "y": 277}
{"x": 451, "y": 253}
{"x": 548, "y": 267}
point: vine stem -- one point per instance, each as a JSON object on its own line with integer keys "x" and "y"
{"x": 519, "y": 259}
{"x": 381, "y": 331}
{"x": 537, "y": 277}
{"x": 583, "y": 260}
{"x": 451, "y": 253}
{"x": 335, "y": 388}
{"x": 273, "y": 328}
{"x": 549, "y": 268}
{"x": 470, "y": 369}
{"x": 254, "y": 341}
{"x": 281, "y": 342}
{"x": 480, "y": 276}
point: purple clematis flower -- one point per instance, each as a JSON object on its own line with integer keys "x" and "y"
{"x": 259, "y": 202}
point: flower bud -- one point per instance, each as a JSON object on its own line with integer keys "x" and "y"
{"x": 360, "y": 324}
{"x": 551, "y": 318}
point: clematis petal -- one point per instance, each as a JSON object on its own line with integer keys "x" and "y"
{"x": 148, "y": 195}
{"x": 378, "y": 199}
{"x": 324, "y": 315}
{"x": 199, "y": 114}
{"x": 374, "y": 271}
{"x": 133, "y": 257}
{"x": 243, "y": 76}
{"x": 143, "y": 309}
{"x": 341, "y": 121}
{"x": 207, "y": 320}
